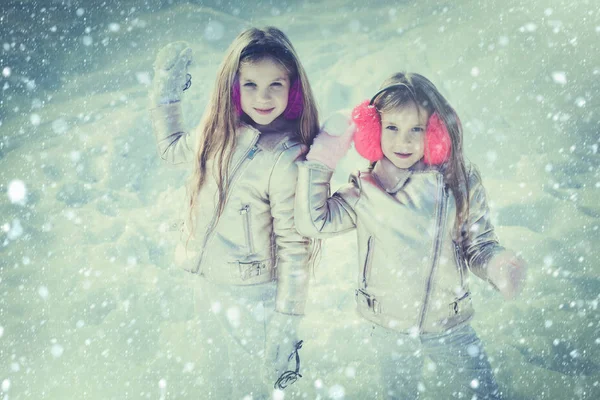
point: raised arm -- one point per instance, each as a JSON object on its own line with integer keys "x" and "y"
{"x": 170, "y": 77}
{"x": 318, "y": 215}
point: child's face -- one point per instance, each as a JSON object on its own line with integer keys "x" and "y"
{"x": 403, "y": 134}
{"x": 264, "y": 87}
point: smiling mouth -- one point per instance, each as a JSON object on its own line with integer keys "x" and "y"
{"x": 403, "y": 155}
{"x": 264, "y": 111}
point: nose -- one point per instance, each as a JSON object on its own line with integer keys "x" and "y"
{"x": 264, "y": 95}
{"x": 404, "y": 137}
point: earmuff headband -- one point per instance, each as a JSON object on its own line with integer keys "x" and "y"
{"x": 385, "y": 89}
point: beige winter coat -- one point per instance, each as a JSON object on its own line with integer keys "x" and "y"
{"x": 412, "y": 275}
{"x": 254, "y": 241}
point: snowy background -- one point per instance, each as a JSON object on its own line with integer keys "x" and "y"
{"x": 89, "y": 306}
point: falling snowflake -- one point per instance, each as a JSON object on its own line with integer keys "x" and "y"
{"x": 35, "y": 119}
{"x": 43, "y": 292}
{"x": 17, "y": 191}
{"x": 57, "y": 350}
{"x": 559, "y": 77}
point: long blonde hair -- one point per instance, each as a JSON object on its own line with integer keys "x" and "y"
{"x": 216, "y": 132}
{"x": 419, "y": 90}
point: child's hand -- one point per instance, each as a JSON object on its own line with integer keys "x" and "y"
{"x": 334, "y": 140}
{"x": 170, "y": 73}
{"x": 507, "y": 271}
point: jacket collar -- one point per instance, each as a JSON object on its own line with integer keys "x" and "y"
{"x": 247, "y": 136}
{"x": 392, "y": 178}
{"x": 280, "y": 124}
{"x": 267, "y": 137}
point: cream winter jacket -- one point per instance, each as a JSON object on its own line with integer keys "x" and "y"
{"x": 254, "y": 241}
{"x": 413, "y": 274}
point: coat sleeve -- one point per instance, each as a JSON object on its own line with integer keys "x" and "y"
{"x": 293, "y": 249}
{"x": 317, "y": 214}
{"x": 481, "y": 242}
{"x": 173, "y": 143}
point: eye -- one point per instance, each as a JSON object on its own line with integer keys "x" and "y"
{"x": 249, "y": 84}
{"x": 276, "y": 84}
{"x": 417, "y": 129}
{"x": 393, "y": 128}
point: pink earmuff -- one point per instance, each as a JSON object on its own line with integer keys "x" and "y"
{"x": 294, "y": 107}
{"x": 367, "y": 138}
{"x": 438, "y": 144}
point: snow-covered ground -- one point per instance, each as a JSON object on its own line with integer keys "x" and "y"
{"x": 89, "y": 306}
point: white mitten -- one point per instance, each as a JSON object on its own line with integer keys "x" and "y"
{"x": 333, "y": 142}
{"x": 281, "y": 347}
{"x": 170, "y": 73}
{"x": 507, "y": 271}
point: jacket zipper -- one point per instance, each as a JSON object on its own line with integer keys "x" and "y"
{"x": 245, "y": 213}
{"x": 367, "y": 261}
{"x": 250, "y": 152}
{"x": 439, "y": 232}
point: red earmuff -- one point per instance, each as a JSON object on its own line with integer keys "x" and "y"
{"x": 294, "y": 107}
{"x": 438, "y": 144}
{"x": 367, "y": 137}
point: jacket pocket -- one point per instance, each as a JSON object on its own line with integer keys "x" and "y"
{"x": 245, "y": 213}
{"x": 368, "y": 261}
{"x": 250, "y": 271}
{"x": 364, "y": 299}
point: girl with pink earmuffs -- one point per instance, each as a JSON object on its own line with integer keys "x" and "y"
{"x": 239, "y": 237}
{"x": 422, "y": 222}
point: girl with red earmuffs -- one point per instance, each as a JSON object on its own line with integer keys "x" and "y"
{"x": 250, "y": 265}
{"x": 422, "y": 222}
